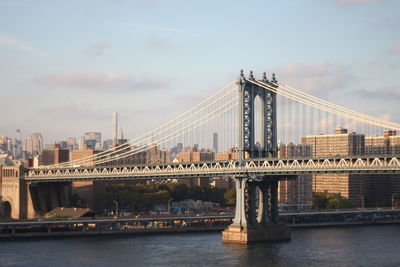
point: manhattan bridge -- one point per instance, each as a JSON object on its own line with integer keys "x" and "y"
{"x": 251, "y": 116}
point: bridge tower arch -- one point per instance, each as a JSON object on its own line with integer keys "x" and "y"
{"x": 248, "y": 91}
{"x": 256, "y": 214}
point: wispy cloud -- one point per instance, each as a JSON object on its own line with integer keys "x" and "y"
{"x": 151, "y": 27}
{"x": 108, "y": 82}
{"x": 156, "y": 42}
{"x": 12, "y": 42}
{"x": 385, "y": 94}
{"x": 394, "y": 49}
{"x": 98, "y": 49}
{"x": 71, "y": 110}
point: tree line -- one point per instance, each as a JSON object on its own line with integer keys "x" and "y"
{"x": 143, "y": 197}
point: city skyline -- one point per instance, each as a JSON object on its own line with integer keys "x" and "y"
{"x": 66, "y": 69}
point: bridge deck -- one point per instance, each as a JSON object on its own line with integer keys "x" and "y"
{"x": 281, "y": 168}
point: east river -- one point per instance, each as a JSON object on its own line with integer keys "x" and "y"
{"x": 347, "y": 246}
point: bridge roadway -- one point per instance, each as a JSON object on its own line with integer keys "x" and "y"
{"x": 388, "y": 164}
{"x": 188, "y": 218}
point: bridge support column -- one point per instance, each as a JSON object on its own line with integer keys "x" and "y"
{"x": 256, "y": 220}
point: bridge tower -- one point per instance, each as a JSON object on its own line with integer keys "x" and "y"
{"x": 256, "y": 214}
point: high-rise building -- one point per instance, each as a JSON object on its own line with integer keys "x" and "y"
{"x": 93, "y": 140}
{"x": 115, "y": 128}
{"x": 55, "y": 156}
{"x": 81, "y": 143}
{"x": 341, "y": 143}
{"x": 295, "y": 194}
{"x": 34, "y": 144}
{"x": 379, "y": 189}
{"x": 71, "y": 142}
{"x": 215, "y": 142}
{"x": 107, "y": 144}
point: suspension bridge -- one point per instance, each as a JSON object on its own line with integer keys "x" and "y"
{"x": 251, "y": 116}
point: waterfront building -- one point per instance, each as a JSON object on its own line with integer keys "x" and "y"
{"x": 341, "y": 143}
{"x": 295, "y": 194}
{"x": 368, "y": 190}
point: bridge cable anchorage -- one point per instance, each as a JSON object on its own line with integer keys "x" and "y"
{"x": 213, "y": 99}
{"x": 329, "y": 107}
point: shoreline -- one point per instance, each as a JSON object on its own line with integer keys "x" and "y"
{"x": 164, "y": 231}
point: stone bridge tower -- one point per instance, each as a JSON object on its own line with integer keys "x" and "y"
{"x": 256, "y": 215}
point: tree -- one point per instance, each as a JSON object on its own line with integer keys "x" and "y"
{"x": 230, "y": 197}
{"x": 178, "y": 192}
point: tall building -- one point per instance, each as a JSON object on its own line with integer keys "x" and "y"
{"x": 55, "y": 156}
{"x": 379, "y": 189}
{"x": 215, "y": 142}
{"x": 107, "y": 144}
{"x": 93, "y": 140}
{"x": 80, "y": 154}
{"x": 341, "y": 143}
{"x": 71, "y": 142}
{"x": 295, "y": 194}
{"x": 34, "y": 144}
{"x": 373, "y": 190}
{"x": 115, "y": 128}
{"x": 230, "y": 154}
{"x": 81, "y": 143}
{"x": 193, "y": 154}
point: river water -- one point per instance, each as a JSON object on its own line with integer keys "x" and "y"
{"x": 350, "y": 246}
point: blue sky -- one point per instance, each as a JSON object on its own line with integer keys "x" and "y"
{"x": 65, "y": 66}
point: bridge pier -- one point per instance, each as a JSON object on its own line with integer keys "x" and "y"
{"x": 256, "y": 220}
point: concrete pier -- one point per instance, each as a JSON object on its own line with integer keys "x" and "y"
{"x": 240, "y": 234}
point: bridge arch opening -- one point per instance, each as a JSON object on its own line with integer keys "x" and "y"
{"x": 7, "y": 209}
{"x": 258, "y": 123}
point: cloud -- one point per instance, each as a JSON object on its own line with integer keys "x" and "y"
{"x": 108, "y": 82}
{"x": 98, "y": 49}
{"x": 156, "y": 42}
{"x": 319, "y": 79}
{"x": 354, "y": 2}
{"x": 394, "y": 49}
{"x": 383, "y": 94}
{"x": 9, "y": 41}
{"x": 70, "y": 110}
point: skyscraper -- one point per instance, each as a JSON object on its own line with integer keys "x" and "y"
{"x": 115, "y": 128}
{"x": 215, "y": 142}
{"x": 34, "y": 143}
{"x": 71, "y": 141}
{"x": 81, "y": 143}
{"x": 93, "y": 139}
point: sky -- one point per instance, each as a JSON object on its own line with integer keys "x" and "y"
{"x": 65, "y": 66}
